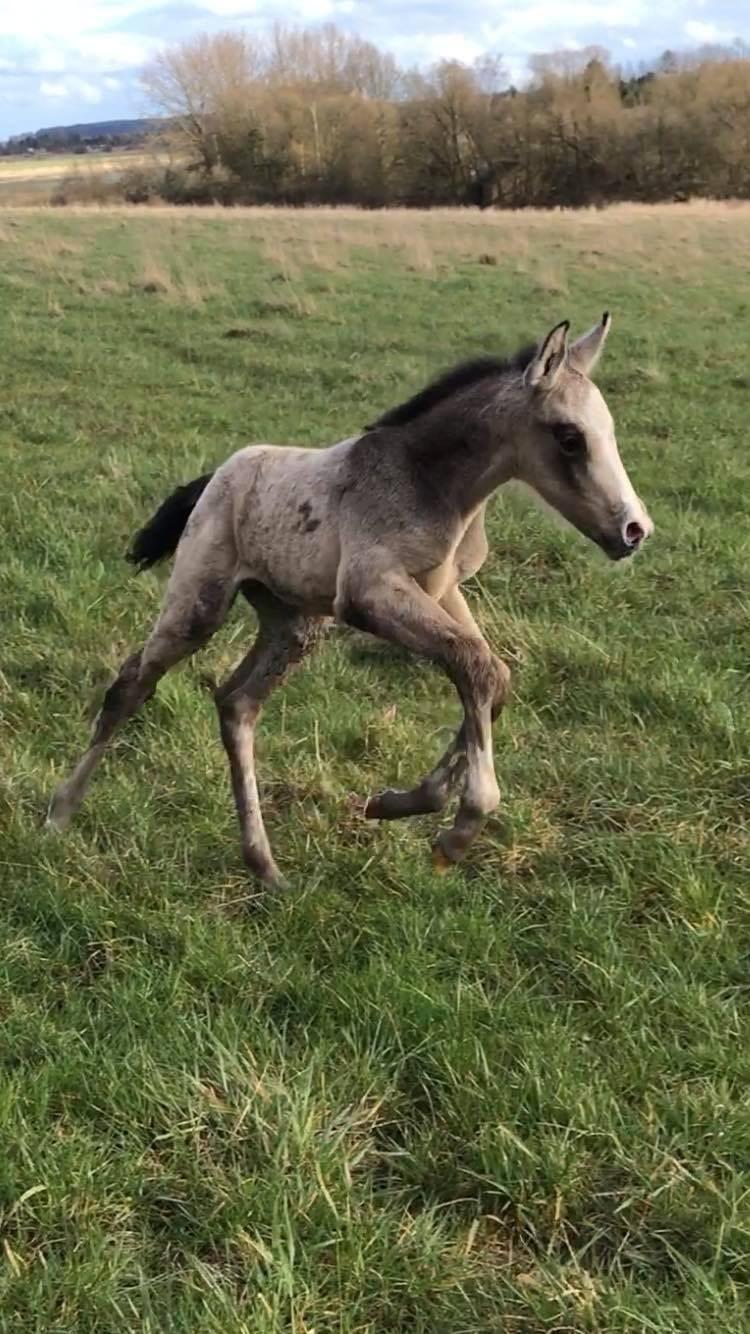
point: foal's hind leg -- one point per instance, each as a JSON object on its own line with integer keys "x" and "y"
{"x": 434, "y": 791}
{"x": 188, "y": 619}
{"x": 285, "y": 636}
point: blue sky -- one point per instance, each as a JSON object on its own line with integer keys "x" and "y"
{"x": 63, "y": 62}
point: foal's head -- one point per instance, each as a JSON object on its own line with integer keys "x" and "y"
{"x": 567, "y": 450}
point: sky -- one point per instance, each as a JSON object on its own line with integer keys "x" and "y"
{"x": 63, "y": 61}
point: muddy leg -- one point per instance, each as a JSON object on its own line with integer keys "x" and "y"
{"x": 185, "y": 624}
{"x": 285, "y": 637}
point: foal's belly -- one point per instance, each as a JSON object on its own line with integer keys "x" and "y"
{"x": 287, "y": 528}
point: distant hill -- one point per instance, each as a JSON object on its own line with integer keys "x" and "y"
{"x": 97, "y": 129}
{"x": 96, "y": 133}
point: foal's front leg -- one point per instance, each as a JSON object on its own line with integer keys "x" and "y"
{"x": 431, "y": 795}
{"x": 394, "y": 607}
{"x": 434, "y": 791}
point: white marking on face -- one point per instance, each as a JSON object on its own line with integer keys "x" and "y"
{"x": 608, "y": 479}
{"x": 590, "y": 488}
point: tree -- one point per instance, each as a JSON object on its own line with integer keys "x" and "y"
{"x": 201, "y": 85}
{"x": 313, "y": 115}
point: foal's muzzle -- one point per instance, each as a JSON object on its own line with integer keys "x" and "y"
{"x": 626, "y": 542}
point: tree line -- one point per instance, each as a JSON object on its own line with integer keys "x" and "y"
{"x": 318, "y": 116}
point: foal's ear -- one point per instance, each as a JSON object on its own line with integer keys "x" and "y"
{"x": 543, "y": 371}
{"x": 585, "y": 352}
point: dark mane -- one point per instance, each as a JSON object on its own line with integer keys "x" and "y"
{"x": 464, "y": 375}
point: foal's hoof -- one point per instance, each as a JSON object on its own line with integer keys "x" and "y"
{"x": 449, "y": 849}
{"x": 59, "y": 815}
{"x": 267, "y": 897}
{"x": 376, "y": 807}
{"x": 267, "y": 893}
{"x": 441, "y": 864}
{"x": 357, "y": 806}
{"x": 265, "y": 872}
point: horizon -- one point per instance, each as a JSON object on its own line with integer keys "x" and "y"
{"x": 86, "y": 67}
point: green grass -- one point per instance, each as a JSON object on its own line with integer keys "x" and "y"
{"x": 514, "y": 1099}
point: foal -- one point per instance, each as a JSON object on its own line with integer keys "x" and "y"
{"x": 379, "y": 531}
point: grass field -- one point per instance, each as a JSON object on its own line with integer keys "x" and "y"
{"x": 513, "y": 1099}
{"x": 34, "y": 180}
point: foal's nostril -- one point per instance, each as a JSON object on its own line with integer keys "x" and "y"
{"x": 634, "y": 534}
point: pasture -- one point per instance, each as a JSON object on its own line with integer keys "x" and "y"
{"x": 514, "y": 1098}
{"x": 35, "y": 180}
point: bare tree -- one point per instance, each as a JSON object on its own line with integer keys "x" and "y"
{"x": 198, "y": 83}
{"x": 318, "y": 114}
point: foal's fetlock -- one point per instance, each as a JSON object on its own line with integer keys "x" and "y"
{"x": 65, "y": 802}
{"x": 452, "y": 845}
{"x": 394, "y": 803}
{"x": 263, "y": 867}
{"x": 429, "y": 797}
{"x": 60, "y": 811}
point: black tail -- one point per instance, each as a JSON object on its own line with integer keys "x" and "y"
{"x": 159, "y": 537}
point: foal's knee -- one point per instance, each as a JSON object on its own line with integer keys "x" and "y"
{"x": 481, "y": 795}
{"x": 475, "y": 671}
{"x": 235, "y": 709}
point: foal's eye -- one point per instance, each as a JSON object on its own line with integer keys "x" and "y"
{"x": 570, "y": 440}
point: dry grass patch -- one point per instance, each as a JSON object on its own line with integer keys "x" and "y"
{"x": 164, "y": 272}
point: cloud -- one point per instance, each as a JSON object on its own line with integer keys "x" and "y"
{"x": 58, "y": 21}
{"x": 66, "y": 89}
{"x": 50, "y": 62}
{"x": 707, "y": 32}
{"x": 164, "y": 22}
{"x": 547, "y": 20}
{"x": 438, "y": 46}
{"x": 231, "y": 8}
{"x": 111, "y": 51}
{"x": 325, "y": 9}
{"x": 53, "y": 89}
{"x": 91, "y": 50}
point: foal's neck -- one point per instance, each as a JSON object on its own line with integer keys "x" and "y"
{"x": 463, "y": 449}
